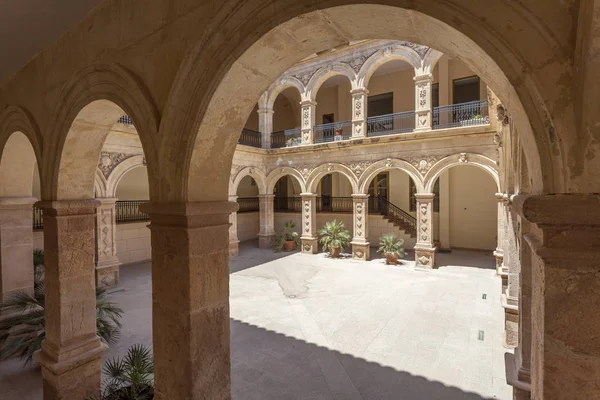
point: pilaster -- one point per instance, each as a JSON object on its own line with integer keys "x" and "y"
{"x": 265, "y": 126}
{"x": 564, "y": 243}
{"x": 309, "y": 236}
{"x": 266, "y": 221}
{"x": 361, "y": 248}
{"x": 359, "y": 113}
{"x": 107, "y": 262}
{"x": 71, "y": 354}
{"x": 512, "y": 262}
{"x": 499, "y": 252}
{"x": 234, "y": 248}
{"x": 424, "y": 248}
{"x": 423, "y": 102}
{"x": 308, "y": 120}
{"x": 190, "y": 299}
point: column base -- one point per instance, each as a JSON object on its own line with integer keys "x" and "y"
{"x": 234, "y": 248}
{"x": 361, "y": 251}
{"x": 265, "y": 241}
{"x": 425, "y": 257}
{"x": 521, "y": 388}
{"x": 499, "y": 261}
{"x": 504, "y": 277}
{"x": 310, "y": 245}
{"x": 107, "y": 275}
{"x": 511, "y": 322}
{"x": 71, "y": 373}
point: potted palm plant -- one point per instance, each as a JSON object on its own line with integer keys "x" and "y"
{"x": 334, "y": 237}
{"x": 287, "y": 239}
{"x": 392, "y": 247}
{"x": 24, "y": 327}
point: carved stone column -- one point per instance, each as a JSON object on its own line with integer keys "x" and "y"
{"x": 190, "y": 299}
{"x": 423, "y": 102}
{"x": 16, "y": 245}
{"x": 234, "y": 242}
{"x": 424, "y": 248}
{"x": 564, "y": 240}
{"x": 510, "y": 297}
{"x": 361, "y": 249}
{"x": 265, "y": 126}
{"x": 308, "y": 121}
{"x": 71, "y": 355}
{"x": 505, "y": 248}
{"x": 308, "y": 234}
{"x": 266, "y": 221}
{"x": 359, "y": 113}
{"x": 107, "y": 262}
{"x": 499, "y": 252}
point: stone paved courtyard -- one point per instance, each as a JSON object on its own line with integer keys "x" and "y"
{"x": 307, "y": 327}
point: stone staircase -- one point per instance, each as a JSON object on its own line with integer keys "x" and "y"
{"x": 381, "y": 225}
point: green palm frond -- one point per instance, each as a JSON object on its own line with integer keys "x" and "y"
{"x": 130, "y": 377}
{"x": 333, "y": 235}
{"x": 391, "y": 244}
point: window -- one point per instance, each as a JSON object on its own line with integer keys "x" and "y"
{"x": 435, "y": 95}
{"x": 381, "y": 104}
{"x": 465, "y": 90}
{"x": 413, "y": 199}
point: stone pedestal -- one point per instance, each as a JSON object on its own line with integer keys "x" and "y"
{"x": 361, "y": 248}
{"x": 564, "y": 242}
{"x": 265, "y": 126}
{"x": 71, "y": 355}
{"x": 16, "y": 245}
{"x": 308, "y": 228}
{"x": 190, "y": 303}
{"x": 309, "y": 108}
{"x": 423, "y": 102}
{"x": 424, "y": 248}
{"x": 107, "y": 262}
{"x": 234, "y": 243}
{"x": 266, "y": 221}
{"x": 359, "y": 113}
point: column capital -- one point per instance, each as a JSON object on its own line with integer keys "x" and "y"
{"x": 12, "y": 203}
{"x": 265, "y": 195}
{"x": 424, "y": 196}
{"x": 265, "y": 111}
{"x": 361, "y": 90}
{"x": 306, "y": 103}
{"x": 559, "y": 209}
{"x": 423, "y": 77}
{"x": 104, "y": 201}
{"x": 359, "y": 196}
{"x": 189, "y": 214}
{"x": 233, "y": 198}
{"x": 59, "y": 208}
{"x": 308, "y": 194}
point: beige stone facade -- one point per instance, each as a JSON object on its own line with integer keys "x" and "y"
{"x": 189, "y": 75}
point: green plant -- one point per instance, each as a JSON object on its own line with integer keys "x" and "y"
{"x": 476, "y": 116}
{"x": 38, "y": 257}
{"x": 22, "y": 331}
{"x": 287, "y": 234}
{"x": 334, "y": 235}
{"x": 129, "y": 378}
{"x": 391, "y": 244}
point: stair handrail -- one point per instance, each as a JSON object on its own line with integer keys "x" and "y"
{"x": 408, "y": 222}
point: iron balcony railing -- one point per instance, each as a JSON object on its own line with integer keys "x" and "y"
{"x": 125, "y": 120}
{"x": 287, "y": 204}
{"x": 128, "y": 211}
{"x": 247, "y": 204}
{"x": 394, "y": 214}
{"x": 333, "y": 132}
{"x": 250, "y": 138}
{"x": 390, "y": 124}
{"x": 286, "y": 138}
{"x": 334, "y": 204}
{"x": 38, "y": 221}
{"x": 465, "y": 114}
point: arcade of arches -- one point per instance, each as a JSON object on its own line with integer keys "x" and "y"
{"x": 463, "y": 126}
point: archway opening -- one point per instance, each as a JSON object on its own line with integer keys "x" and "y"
{"x": 287, "y": 203}
{"x": 248, "y": 218}
{"x": 333, "y": 119}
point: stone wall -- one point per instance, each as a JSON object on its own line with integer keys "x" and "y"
{"x": 248, "y": 226}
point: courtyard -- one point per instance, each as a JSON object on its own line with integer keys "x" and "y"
{"x": 309, "y": 327}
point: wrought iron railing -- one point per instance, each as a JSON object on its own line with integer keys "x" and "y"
{"x": 334, "y": 204}
{"x": 465, "y": 114}
{"x": 128, "y": 211}
{"x": 125, "y": 120}
{"x": 250, "y": 138}
{"x": 38, "y": 221}
{"x": 333, "y": 132}
{"x": 286, "y": 138}
{"x": 248, "y": 204}
{"x": 390, "y": 124}
{"x": 394, "y": 214}
{"x": 287, "y": 204}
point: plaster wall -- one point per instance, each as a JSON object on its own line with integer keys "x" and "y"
{"x": 133, "y": 242}
{"x": 134, "y": 185}
{"x": 248, "y": 226}
{"x": 247, "y": 188}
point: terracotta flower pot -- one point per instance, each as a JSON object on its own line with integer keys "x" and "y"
{"x": 391, "y": 258}
{"x": 335, "y": 253}
{"x": 288, "y": 245}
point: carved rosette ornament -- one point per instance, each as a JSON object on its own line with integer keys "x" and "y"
{"x": 463, "y": 158}
{"x": 424, "y": 228}
{"x": 307, "y": 216}
{"x": 359, "y": 167}
{"x": 423, "y": 164}
{"x": 306, "y": 170}
{"x": 109, "y": 161}
{"x": 502, "y": 114}
{"x": 358, "y": 100}
{"x": 305, "y": 118}
{"x": 422, "y": 94}
{"x": 359, "y": 219}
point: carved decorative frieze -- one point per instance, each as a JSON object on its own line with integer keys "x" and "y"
{"x": 359, "y": 167}
{"x": 423, "y": 164}
{"x": 463, "y": 158}
{"x": 419, "y": 48}
{"x": 235, "y": 170}
{"x": 502, "y": 114}
{"x": 109, "y": 160}
{"x": 305, "y": 76}
{"x": 424, "y": 216}
{"x": 357, "y": 62}
{"x": 306, "y": 170}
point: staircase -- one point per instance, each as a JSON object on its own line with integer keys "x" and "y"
{"x": 395, "y": 215}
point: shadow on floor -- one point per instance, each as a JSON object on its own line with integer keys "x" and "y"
{"x": 270, "y": 365}
{"x": 466, "y": 258}
{"x": 253, "y": 256}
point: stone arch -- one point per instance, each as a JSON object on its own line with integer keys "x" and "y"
{"x": 397, "y": 52}
{"x": 429, "y": 61}
{"x": 445, "y": 163}
{"x": 92, "y": 101}
{"x": 194, "y": 114}
{"x": 100, "y": 185}
{"x": 279, "y": 173}
{"x": 120, "y": 170}
{"x": 256, "y": 173}
{"x": 388, "y": 164}
{"x": 20, "y": 152}
{"x": 267, "y": 100}
{"x": 324, "y": 73}
{"x": 315, "y": 176}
